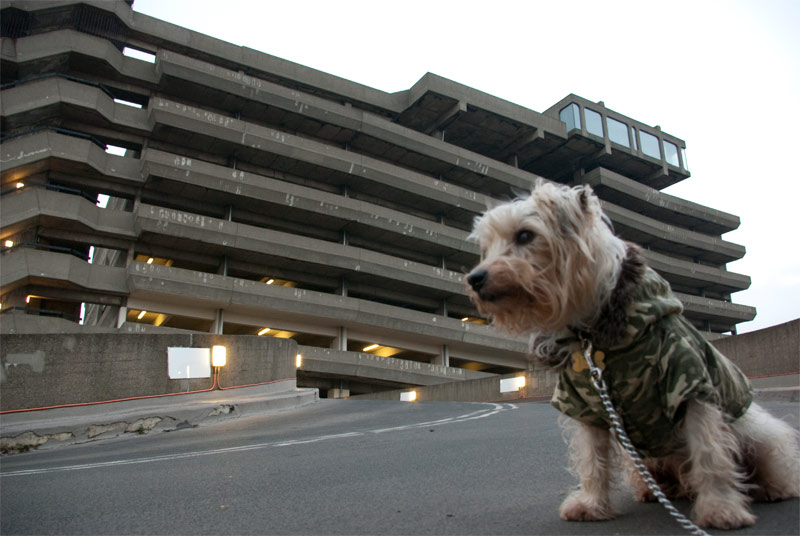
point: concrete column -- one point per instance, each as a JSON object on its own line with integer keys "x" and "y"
{"x": 122, "y": 314}
{"x": 137, "y": 201}
{"x": 130, "y": 256}
{"x": 443, "y": 358}
{"x": 218, "y": 324}
{"x": 340, "y": 342}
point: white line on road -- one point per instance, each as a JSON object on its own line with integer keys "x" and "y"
{"x": 480, "y": 414}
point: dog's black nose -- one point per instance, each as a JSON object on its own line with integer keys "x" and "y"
{"x": 477, "y": 279}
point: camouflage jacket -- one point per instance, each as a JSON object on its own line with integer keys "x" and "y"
{"x": 660, "y": 363}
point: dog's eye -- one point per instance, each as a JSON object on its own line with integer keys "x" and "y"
{"x": 524, "y": 237}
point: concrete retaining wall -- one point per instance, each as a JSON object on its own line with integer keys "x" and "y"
{"x": 47, "y": 370}
{"x": 766, "y": 352}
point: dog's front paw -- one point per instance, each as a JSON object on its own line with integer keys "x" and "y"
{"x": 771, "y": 493}
{"x": 723, "y": 515}
{"x": 580, "y": 506}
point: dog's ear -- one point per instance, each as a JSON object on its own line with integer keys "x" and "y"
{"x": 584, "y": 195}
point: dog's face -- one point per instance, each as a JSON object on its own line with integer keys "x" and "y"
{"x": 537, "y": 265}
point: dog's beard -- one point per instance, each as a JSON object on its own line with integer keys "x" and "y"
{"x": 519, "y": 298}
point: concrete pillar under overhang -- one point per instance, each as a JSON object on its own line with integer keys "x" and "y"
{"x": 219, "y": 323}
{"x": 443, "y": 358}
{"x": 122, "y": 315}
{"x": 340, "y": 341}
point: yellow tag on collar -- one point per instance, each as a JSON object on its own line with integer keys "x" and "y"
{"x": 579, "y": 363}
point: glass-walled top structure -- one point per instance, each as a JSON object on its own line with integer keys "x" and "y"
{"x": 617, "y": 132}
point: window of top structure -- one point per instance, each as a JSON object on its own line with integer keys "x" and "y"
{"x": 683, "y": 159}
{"x": 139, "y": 54}
{"x": 128, "y": 103}
{"x": 617, "y": 132}
{"x": 116, "y": 151}
{"x": 671, "y": 154}
{"x": 650, "y": 145}
{"x": 570, "y": 115}
{"x": 594, "y": 122}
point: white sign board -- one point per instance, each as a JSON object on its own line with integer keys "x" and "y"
{"x": 512, "y": 384}
{"x": 183, "y": 363}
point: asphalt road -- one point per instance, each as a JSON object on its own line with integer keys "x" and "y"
{"x": 335, "y": 467}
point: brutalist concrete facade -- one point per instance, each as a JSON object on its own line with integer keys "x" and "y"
{"x": 257, "y": 193}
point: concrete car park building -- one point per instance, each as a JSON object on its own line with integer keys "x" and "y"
{"x": 154, "y": 177}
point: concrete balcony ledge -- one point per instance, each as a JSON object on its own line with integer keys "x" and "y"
{"x": 686, "y": 273}
{"x": 167, "y": 285}
{"x": 264, "y": 92}
{"x": 360, "y": 365}
{"x": 38, "y": 206}
{"x": 716, "y": 310}
{"x": 646, "y": 231}
{"x": 356, "y": 166}
{"x": 621, "y": 190}
{"x": 17, "y": 106}
{"x": 23, "y": 266}
{"x": 44, "y": 150}
{"x": 329, "y": 112}
{"x": 251, "y": 242}
{"x": 289, "y": 196}
{"x": 365, "y": 169}
{"x": 48, "y": 150}
{"x": 37, "y": 96}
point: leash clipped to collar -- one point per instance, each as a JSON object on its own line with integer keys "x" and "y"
{"x": 599, "y": 383}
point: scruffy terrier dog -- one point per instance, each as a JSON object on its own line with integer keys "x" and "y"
{"x": 552, "y": 267}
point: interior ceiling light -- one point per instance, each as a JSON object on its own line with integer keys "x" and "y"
{"x": 150, "y": 260}
{"x": 9, "y": 243}
{"x": 271, "y": 281}
{"x": 141, "y": 315}
{"x": 20, "y": 184}
{"x": 370, "y": 347}
{"x": 263, "y": 331}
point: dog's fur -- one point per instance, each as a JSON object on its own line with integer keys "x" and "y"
{"x": 551, "y": 266}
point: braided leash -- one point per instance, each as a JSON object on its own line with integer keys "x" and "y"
{"x": 616, "y": 425}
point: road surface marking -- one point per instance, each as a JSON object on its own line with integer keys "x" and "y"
{"x": 480, "y": 414}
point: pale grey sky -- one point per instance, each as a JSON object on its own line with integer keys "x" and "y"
{"x": 722, "y": 75}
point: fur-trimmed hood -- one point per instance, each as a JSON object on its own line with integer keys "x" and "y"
{"x": 612, "y": 326}
{"x": 640, "y": 298}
